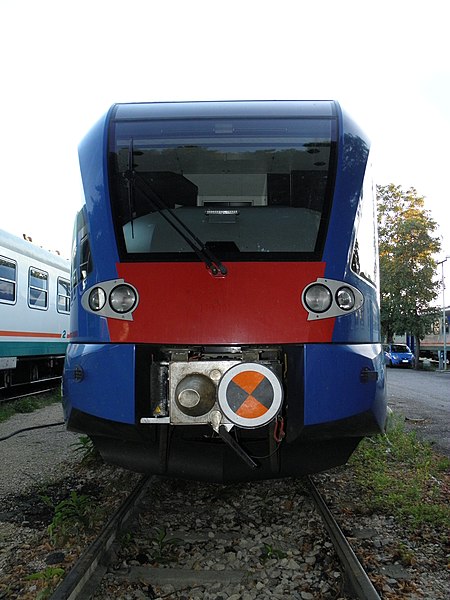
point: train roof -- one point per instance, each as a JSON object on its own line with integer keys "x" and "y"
{"x": 217, "y": 109}
{"x": 11, "y": 242}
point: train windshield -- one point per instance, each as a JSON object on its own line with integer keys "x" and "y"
{"x": 249, "y": 189}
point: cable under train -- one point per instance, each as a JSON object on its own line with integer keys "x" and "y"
{"x": 225, "y": 310}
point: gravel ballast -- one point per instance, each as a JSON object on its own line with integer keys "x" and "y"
{"x": 251, "y": 532}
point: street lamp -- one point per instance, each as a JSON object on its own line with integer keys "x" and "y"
{"x": 444, "y": 324}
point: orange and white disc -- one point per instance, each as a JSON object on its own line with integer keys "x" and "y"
{"x": 250, "y": 395}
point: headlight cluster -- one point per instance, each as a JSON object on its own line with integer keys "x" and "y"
{"x": 114, "y": 299}
{"x": 327, "y": 298}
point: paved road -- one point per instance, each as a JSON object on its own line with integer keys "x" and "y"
{"x": 424, "y": 399}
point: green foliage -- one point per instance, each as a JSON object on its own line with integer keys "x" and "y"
{"x": 163, "y": 546}
{"x": 405, "y": 555}
{"x": 45, "y": 498}
{"x": 71, "y": 514}
{"x": 27, "y": 404}
{"x": 400, "y": 476}
{"x": 51, "y": 576}
{"x": 47, "y": 574}
{"x": 270, "y": 552}
{"x": 86, "y": 449}
{"x": 407, "y": 264}
{"x": 126, "y": 539}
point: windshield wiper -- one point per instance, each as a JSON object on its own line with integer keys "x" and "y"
{"x": 135, "y": 179}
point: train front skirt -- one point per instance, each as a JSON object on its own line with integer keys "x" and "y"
{"x": 256, "y": 414}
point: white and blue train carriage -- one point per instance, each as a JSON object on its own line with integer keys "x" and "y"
{"x": 34, "y": 312}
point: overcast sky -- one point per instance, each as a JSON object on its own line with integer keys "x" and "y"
{"x": 64, "y": 64}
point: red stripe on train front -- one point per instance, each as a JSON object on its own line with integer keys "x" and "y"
{"x": 255, "y": 303}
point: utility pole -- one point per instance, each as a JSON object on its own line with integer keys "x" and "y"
{"x": 443, "y": 363}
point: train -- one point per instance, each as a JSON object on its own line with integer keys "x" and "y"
{"x": 34, "y": 313}
{"x": 225, "y": 305}
{"x": 434, "y": 341}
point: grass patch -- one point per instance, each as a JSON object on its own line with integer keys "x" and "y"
{"x": 402, "y": 476}
{"x": 28, "y": 404}
{"x": 49, "y": 578}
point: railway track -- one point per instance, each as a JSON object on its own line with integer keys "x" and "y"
{"x": 357, "y": 579}
{"x": 29, "y": 389}
{"x": 86, "y": 574}
{"x": 189, "y": 540}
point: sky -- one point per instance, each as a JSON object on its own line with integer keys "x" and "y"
{"x": 63, "y": 64}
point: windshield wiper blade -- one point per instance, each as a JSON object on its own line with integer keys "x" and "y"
{"x": 135, "y": 179}
{"x": 202, "y": 251}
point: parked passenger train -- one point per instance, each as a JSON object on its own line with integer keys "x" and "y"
{"x": 433, "y": 344}
{"x": 225, "y": 320}
{"x": 34, "y": 312}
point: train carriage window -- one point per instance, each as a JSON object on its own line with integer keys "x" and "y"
{"x": 8, "y": 280}
{"x": 81, "y": 251}
{"x": 63, "y": 302}
{"x": 365, "y": 255}
{"x": 37, "y": 289}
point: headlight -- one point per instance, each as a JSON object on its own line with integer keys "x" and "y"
{"x": 122, "y": 298}
{"x": 318, "y": 298}
{"x": 97, "y": 299}
{"x": 345, "y": 298}
{"x": 329, "y": 298}
{"x": 113, "y": 299}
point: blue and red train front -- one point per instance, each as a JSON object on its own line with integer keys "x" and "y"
{"x": 225, "y": 320}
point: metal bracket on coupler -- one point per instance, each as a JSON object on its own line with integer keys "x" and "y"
{"x": 230, "y": 441}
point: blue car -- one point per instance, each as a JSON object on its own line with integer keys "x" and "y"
{"x": 398, "y": 355}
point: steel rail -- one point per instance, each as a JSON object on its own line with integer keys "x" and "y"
{"x": 357, "y": 577}
{"x": 32, "y": 388}
{"x": 79, "y": 580}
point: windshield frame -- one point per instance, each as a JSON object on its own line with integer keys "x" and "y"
{"x": 224, "y": 253}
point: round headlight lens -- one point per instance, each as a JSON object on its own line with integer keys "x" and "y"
{"x": 345, "y": 298}
{"x": 97, "y": 299}
{"x": 122, "y": 299}
{"x": 318, "y": 298}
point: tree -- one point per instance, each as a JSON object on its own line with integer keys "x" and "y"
{"x": 407, "y": 266}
